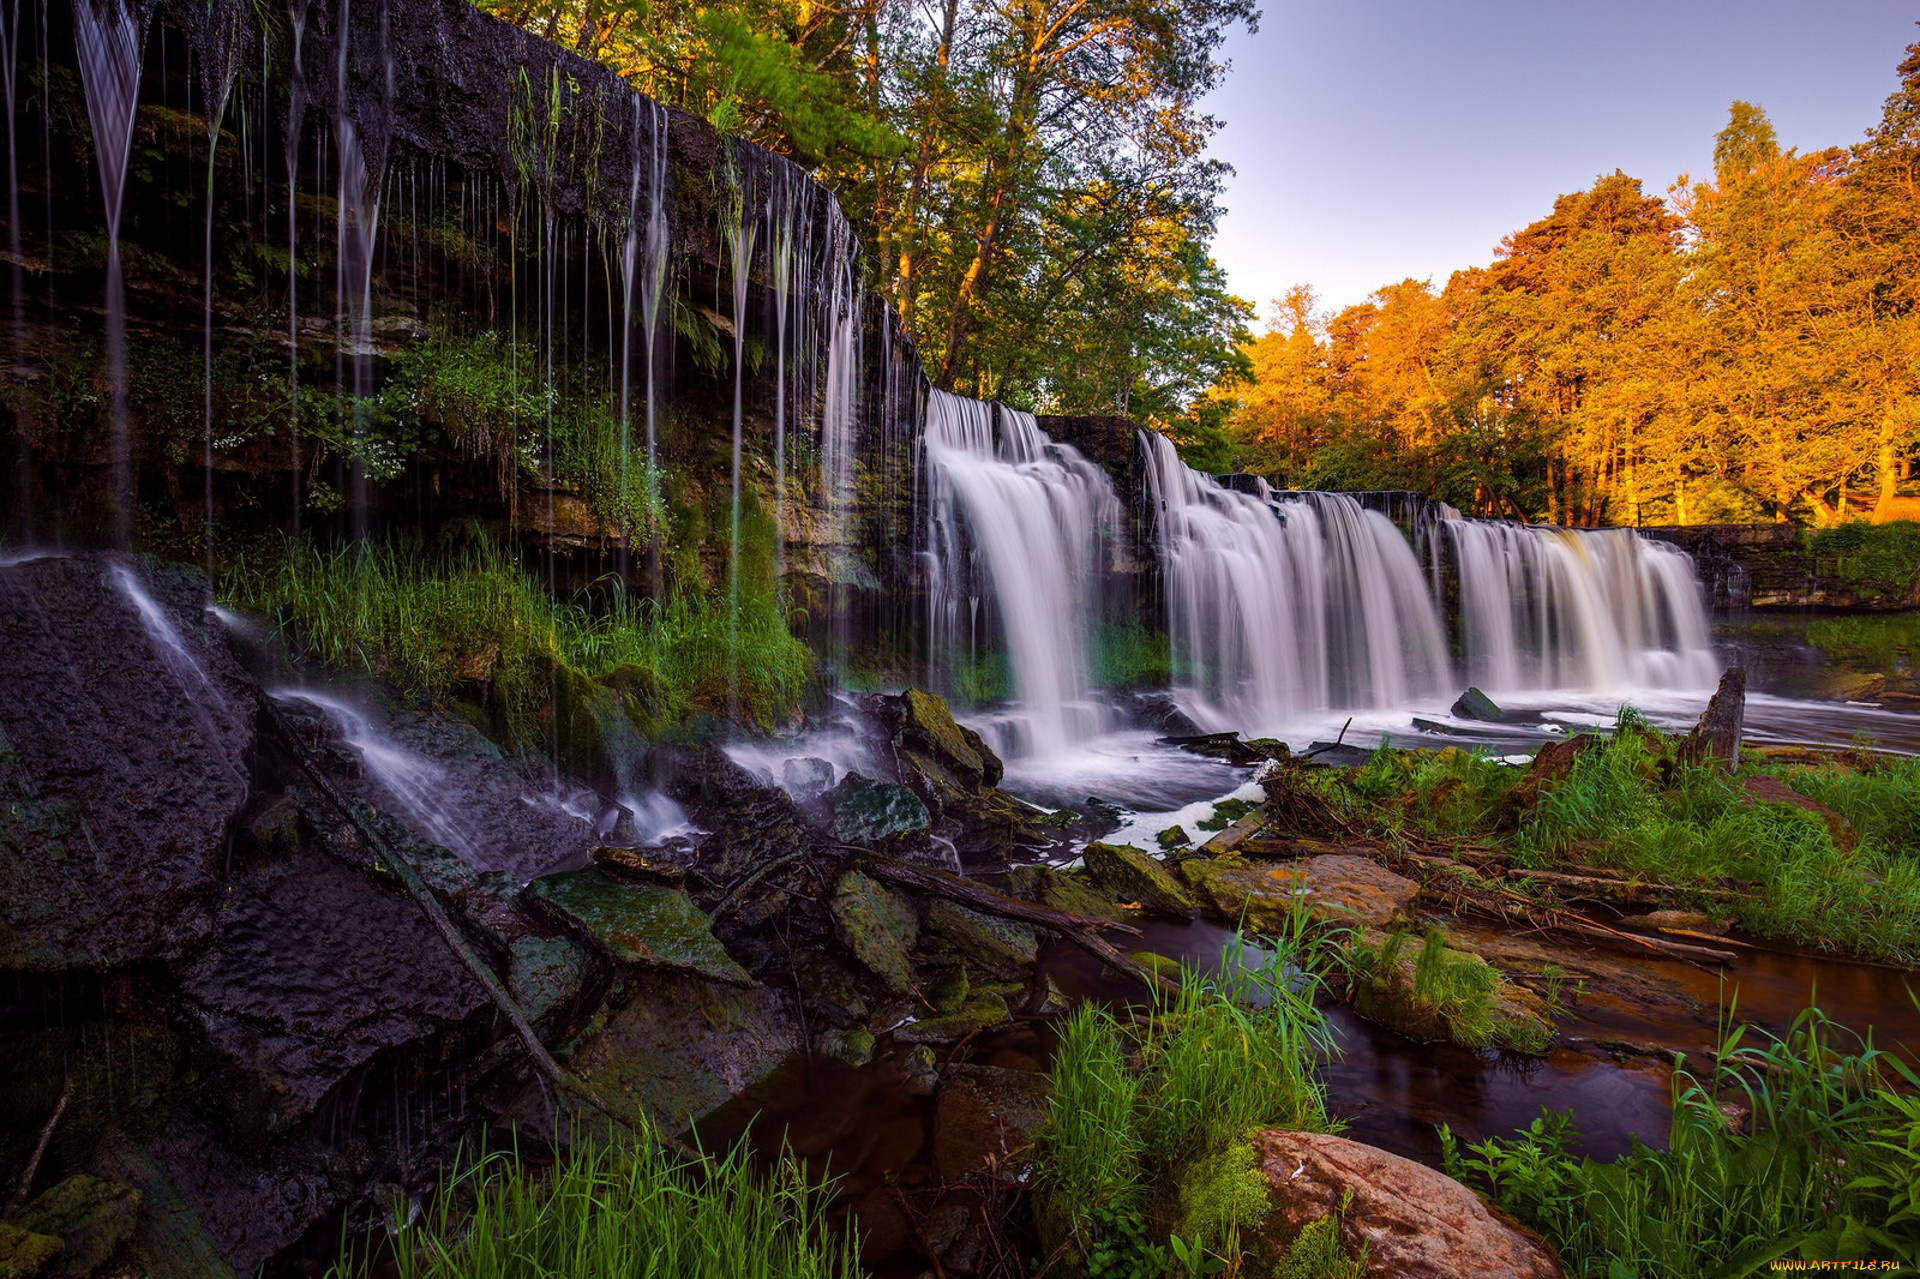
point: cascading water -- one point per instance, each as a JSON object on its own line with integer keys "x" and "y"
{"x": 110, "y": 38}
{"x": 1283, "y": 608}
{"x": 740, "y": 235}
{"x": 1017, "y": 527}
{"x": 1552, "y": 608}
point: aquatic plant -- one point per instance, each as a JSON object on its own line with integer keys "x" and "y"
{"x": 617, "y": 1206}
{"x": 1150, "y": 1115}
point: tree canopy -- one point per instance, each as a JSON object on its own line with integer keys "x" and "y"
{"x": 1748, "y": 348}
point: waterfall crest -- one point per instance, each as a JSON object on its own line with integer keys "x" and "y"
{"x": 1017, "y": 527}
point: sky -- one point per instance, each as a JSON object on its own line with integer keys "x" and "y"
{"x": 1381, "y": 140}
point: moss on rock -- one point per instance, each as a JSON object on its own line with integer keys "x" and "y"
{"x": 878, "y": 925}
{"x": 637, "y": 923}
{"x": 1138, "y": 876}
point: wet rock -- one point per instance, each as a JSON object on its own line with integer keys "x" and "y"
{"x": 1716, "y": 736}
{"x": 637, "y": 923}
{"x": 984, "y": 1118}
{"x": 1516, "y": 1019}
{"x": 1002, "y": 947}
{"x": 984, "y": 1011}
{"x": 870, "y": 812}
{"x": 317, "y": 971}
{"x": 170, "y": 1239}
{"x": 92, "y": 1217}
{"x": 946, "y": 991}
{"x": 807, "y": 776}
{"x": 1551, "y": 763}
{"x": 932, "y": 746}
{"x": 274, "y": 827}
{"x": 1137, "y": 876}
{"x": 1771, "y": 790}
{"x": 1337, "y": 889}
{"x": 829, "y": 987}
{"x": 920, "y": 1072}
{"x": 1476, "y": 705}
{"x": 24, "y": 1254}
{"x": 109, "y": 854}
{"x": 639, "y": 867}
{"x": 1062, "y": 891}
{"x": 1173, "y": 837}
{"x": 1413, "y": 1222}
{"x": 685, "y": 1045}
{"x": 854, "y": 1047}
{"x": 544, "y": 974}
{"x": 878, "y": 925}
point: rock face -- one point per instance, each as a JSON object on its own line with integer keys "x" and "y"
{"x": 1414, "y": 1222}
{"x": 878, "y": 925}
{"x": 1474, "y": 704}
{"x": 866, "y": 811}
{"x": 955, "y": 773}
{"x": 124, "y": 743}
{"x": 1334, "y": 889}
{"x": 637, "y": 923}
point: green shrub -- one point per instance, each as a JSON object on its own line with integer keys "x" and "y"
{"x": 1825, "y": 1169}
{"x": 1879, "y": 560}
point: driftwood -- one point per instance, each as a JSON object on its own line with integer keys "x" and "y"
{"x": 1235, "y": 835}
{"x": 562, "y": 1079}
{"x": 1078, "y": 929}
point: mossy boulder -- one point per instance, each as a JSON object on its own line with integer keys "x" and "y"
{"x": 91, "y": 1217}
{"x": 1062, "y": 891}
{"x": 24, "y": 1254}
{"x": 939, "y": 747}
{"x": 982, "y": 1012}
{"x": 947, "y": 990}
{"x": 1338, "y": 889}
{"x": 1480, "y": 1009}
{"x": 878, "y": 925}
{"x": 1138, "y": 876}
{"x": 637, "y": 923}
{"x": 866, "y": 811}
{"x": 1002, "y": 947}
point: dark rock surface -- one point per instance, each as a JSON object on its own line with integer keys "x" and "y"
{"x": 1717, "y": 736}
{"x": 125, "y": 741}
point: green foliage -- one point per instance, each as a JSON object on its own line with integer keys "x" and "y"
{"x": 1318, "y": 1253}
{"x": 1131, "y": 656}
{"x": 619, "y": 1207}
{"x": 1887, "y": 643}
{"x": 469, "y": 621}
{"x": 1825, "y": 1168}
{"x": 1150, "y": 1117}
{"x": 1225, "y": 813}
{"x": 1881, "y": 803}
{"x": 1121, "y": 1246}
{"x": 1880, "y": 560}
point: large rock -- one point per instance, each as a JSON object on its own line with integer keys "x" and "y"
{"x": 92, "y": 1217}
{"x": 932, "y": 745}
{"x": 1476, "y": 705}
{"x": 1003, "y": 947}
{"x": 1413, "y": 1222}
{"x": 1337, "y": 889}
{"x": 866, "y": 811}
{"x": 878, "y": 925}
{"x": 317, "y": 971}
{"x": 126, "y": 728}
{"x": 1138, "y": 876}
{"x": 637, "y": 923}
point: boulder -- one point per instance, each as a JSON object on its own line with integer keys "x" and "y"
{"x": 1062, "y": 891}
{"x": 1137, "y": 876}
{"x": 869, "y": 812}
{"x": 1337, "y": 889}
{"x": 92, "y": 1217}
{"x": 878, "y": 925}
{"x": 806, "y": 776}
{"x": 126, "y": 729}
{"x": 1476, "y": 705}
{"x": 24, "y": 1254}
{"x": 544, "y": 974}
{"x": 1003, "y": 947}
{"x": 636, "y": 923}
{"x": 984, "y": 1117}
{"x": 930, "y": 744}
{"x": 1413, "y": 1222}
{"x": 985, "y": 1010}
{"x": 1717, "y": 735}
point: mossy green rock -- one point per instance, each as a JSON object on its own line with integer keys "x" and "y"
{"x": 982, "y": 1012}
{"x": 868, "y": 812}
{"x": 929, "y": 731}
{"x": 1063, "y": 892}
{"x": 91, "y": 1217}
{"x": 878, "y": 926}
{"x": 999, "y": 946}
{"x": 24, "y": 1254}
{"x": 945, "y": 991}
{"x": 1173, "y": 837}
{"x": 544, "y": 974}
{"x": 1336, "y": 889}
{"x": 1138, "y": 876}
{"x": 854, "y": 1047}
{"x": 638, "y": 923}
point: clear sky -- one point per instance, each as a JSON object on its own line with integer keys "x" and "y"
{"x": 1376, "y": 140}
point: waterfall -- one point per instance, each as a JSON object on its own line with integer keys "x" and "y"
{"x": 109, "y": 41}
{"x": 1017, "y": 528}
{"x": 1552, "y": 608}
{"x": 1288, "y": 606}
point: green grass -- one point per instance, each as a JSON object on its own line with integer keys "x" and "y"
{"x": 1826, "y": 1168}
{"x": 1150, "y": 1116}
{"x": 1885, "y": 644}
{"x": 618, "y": 1208}
{"x": 470, "y": 622}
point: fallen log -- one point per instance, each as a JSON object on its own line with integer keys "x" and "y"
{"x": 1077, "y": 929}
